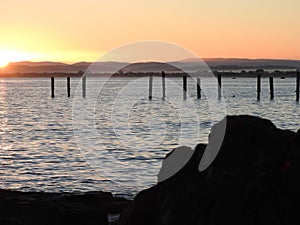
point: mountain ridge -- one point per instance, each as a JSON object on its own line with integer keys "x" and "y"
{"x": 191, "y": 64}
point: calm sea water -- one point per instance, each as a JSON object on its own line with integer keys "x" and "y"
{"x": 38, "y": 149}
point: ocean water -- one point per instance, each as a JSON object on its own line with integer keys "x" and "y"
{"x": 41, "y": 151}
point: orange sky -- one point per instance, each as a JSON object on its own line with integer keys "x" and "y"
{"x": 83, "y": 30}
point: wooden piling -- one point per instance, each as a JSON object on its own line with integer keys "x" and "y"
{"x": 68, "y": 87}
{"x": 84, "y": 86}
{"x": 297, "y": 85}
{"x": 198, "y": 88}
{"x": 163, "y": 76}
{"x": 150, "y": 86}
{"x": 258, "y": 86}
{"x": 271, "y": 88}
{"x": 219, "y": 86}
{"x": 52, "y": 87}
{"x": 184, "y": 87}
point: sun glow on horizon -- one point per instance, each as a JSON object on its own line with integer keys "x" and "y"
{"x": 212, "y": 29}
{"x": 7, "y": 56}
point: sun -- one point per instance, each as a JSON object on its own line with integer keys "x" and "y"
{"x": 8, "y": 56}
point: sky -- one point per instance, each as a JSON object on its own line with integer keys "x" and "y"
{"x": 84, "y": 30}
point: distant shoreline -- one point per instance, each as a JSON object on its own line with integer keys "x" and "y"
{"x": 236, "y": 65}
{"x": 242, "y": 74}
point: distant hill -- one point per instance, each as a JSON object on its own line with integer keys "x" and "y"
{"x": 240, "y": 63}
{"x": 187, "y": 65}
{"x": 36, "y": 64}
{"x": 149, "y": 67}
{"x": 41, "y": 67}
{"x": 52, "y": 67}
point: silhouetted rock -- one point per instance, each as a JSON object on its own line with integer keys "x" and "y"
{"x": 23, "y": 208}
{"x": 254, "y": 179}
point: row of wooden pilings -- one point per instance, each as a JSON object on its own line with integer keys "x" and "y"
{"x": 68, "y": 87}
{"x": 219, "y": 78}
{"x": 184, "y": 84}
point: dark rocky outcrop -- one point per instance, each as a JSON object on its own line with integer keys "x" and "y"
{"x": 25, "y": 208}
{"x": 254, "y": 179}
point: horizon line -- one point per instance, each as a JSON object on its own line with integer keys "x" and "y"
{"x": 179, "y": 60}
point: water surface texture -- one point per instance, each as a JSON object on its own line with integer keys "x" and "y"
{"x": 38, "y": 150}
